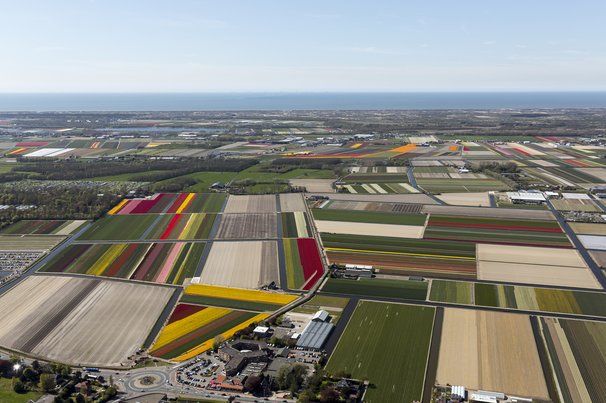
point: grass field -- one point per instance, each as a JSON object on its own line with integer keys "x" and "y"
{"x": 369, "y": 217}
{"x": 375, "y": 334}
{"x": 461, "y": 185}
{"x": 119, "y": 227}
{"x": 7, "y": 395}
{"x": 398, "y": 289}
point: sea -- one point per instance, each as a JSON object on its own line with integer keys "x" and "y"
{"x": 285, "y": 101}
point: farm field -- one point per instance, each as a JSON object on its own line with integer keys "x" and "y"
{"x": 119, "y": 227}
{"x": 375, "y": 334}
{"x": 295, "y": 225}
{"x": 355, "y": 206}
{"x": 577, "y": 352}
{"x": 29, "y": 242}
{"x": 157, "y": 203}
{"x": 450, "y": 185}
{"x": 466, "y": 199}
{"x": 191, "y": 329}
{"x": 235, "y": 298}
{"x": 248, "y": 226}
{"x": 172, "y": 203}
{"x": 458, "y": 292}
{"x": 534, "y": 265}
{"x": 244, "y": 264}
{"x": 250, "y": 204}
{"x": 595, "y": 242}
{"x": 401, "y": 187}
{"x": 368, "y": 217}
{"x": 314, "y": 185}
{"x": 397, "y": 289}
{"x": 599, "y": 257}
{"x": 472, "y": 341}
{"x": 292, "y": 202}
{"x": 389, "y": 255}
{"x": 371, "y": 229}
{"x": 168, "y": 263}
{"x": 303, "y": 263}
{"x": 43, "y": 227}
{"x": 581, "y": 228}
{"x": 495, "y": 213}
{"x": 182, "y": 226}
{"x": 333, "y": 305}
{"x": 80, "y": 321}
{"x": 575, "y": 205}
{"x": 498, "y": 231}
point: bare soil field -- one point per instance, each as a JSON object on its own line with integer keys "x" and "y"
{"x": 358, "y": 228}
{"x": 375, "y": 206}
{"x": 29, "y": 242}
{"x": 479, "y": 199}
{"x": 599, "y": 257}
{"x": 251, "y": 204}
{"x": 247, "y": 264}
{"x": 490, "y": 351}
{"x": 386, "y": 198}
{"x": 109, "y": 325}
{"x": 292, "y": 202}
{"x": 489, "y": 212}
{"x": 537, "y": 274}
{"x": 575, "y": 205}
{"x": 81, "y": 321}
{"x": 534, "y": 265}
{"x": 314, "y": 185}
{"x": 248, "y": 226}
{"x": 588, "y": 228}
{"x": 593, "y": 241}
{"x": 599, "y": 173}
{"x": 68, "y": 229}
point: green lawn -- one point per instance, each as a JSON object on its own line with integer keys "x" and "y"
{"x": 369, "y": 217}
{"x": 8, "y": 396}
{"x": 375, "y": 287}
{"x": 119, "y": 227}
{"x": 388, "y": 344}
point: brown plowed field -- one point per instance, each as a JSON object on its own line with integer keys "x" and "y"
{"x": 248, "y": 226}
{"x": 251, "y": 204}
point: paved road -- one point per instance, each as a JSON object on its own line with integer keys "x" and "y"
{"x": 599, "y": 203}
{"x": 38, "y": 265}
{"x": 413, "y": 183}
{"x": 597, "y": 272}
{"x": 492, "y": 200}
{"x": 334, "y": 337}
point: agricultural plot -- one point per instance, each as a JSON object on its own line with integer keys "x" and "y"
{"x": 466, "y": 199}
{"x": 599, "y": 257}
{"x": 595, "y": 242}
{"x": 182, "y": 226}
{"x": 169, "y": 263}
{"x": 497, "y": 231}
{"x": 248, "y": 226}
{"x": 251, "y": 204}
{"x": 379, "y": 188}
{"x": 191, "y": 329}
{"x": 235, "y": 298}
{"x": 399, "y": 256}
{"x": 80, "y": 321}
{"x": 303, "y": 263}
{"x": 376, "y": 177}
{"x": 500, "y": 213}
{"x": 333, "y": 305}
{"x": 376, "y": 217}
{"x": 119, "y": 227}
{"x": 295, "y": 225}
{"x": 43, "y": 227}
{"x": 577, "y": 352}
{"x": 371, "y": 229}
{"x": 397, "y": 289}
{"x": 246, "y": 264}
{"x": 473, "y": 342}
{"x": 158, "y": 203}
{"x": 575, "y": 205}
{"x": 314, "y": 185}
{"x": 40, "y": 243}
{"x": 458, "y": 292}
{"x": 355, "y": 206}
{"x": 581, "y": 228}
{"x": 292, "y": 202}
{"x": 455, "y": 185}
{"x": 375, "y": 334}
{"x": 533, "y": 265}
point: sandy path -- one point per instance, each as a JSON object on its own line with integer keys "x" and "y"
{"x": 358, "y": 228}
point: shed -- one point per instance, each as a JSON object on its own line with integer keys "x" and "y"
{"x": 321, "y": 316}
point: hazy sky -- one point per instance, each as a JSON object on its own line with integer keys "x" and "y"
{"x": 311, "y": 45}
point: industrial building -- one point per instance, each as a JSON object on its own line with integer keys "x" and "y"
{"x": 526, "y": 197}
{"x": 316, "y": 332}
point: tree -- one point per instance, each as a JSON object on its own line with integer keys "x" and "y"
{"x": 30, "y": 375}
{"x": 291, "y": 377}
{"x": 47, "y": 382}
{"x": 36, "y": 365}
{"x": 252, "y": 384}
{"x": 218, "y": 340}
{"x": 18, "y": 386}
{"x": 80, "y": 398}
{"x": 329, "y": 395}
{"x": 109, "y": 393}
{"x": 6, "y": 368}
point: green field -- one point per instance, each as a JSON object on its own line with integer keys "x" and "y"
{"x": 398, "y": 289}
{"x": 333, "y": 305}
{"x": 294, "y": 270}
{"x": 369, "y": 217}
{"x": 458, "y": 292}
{"x": 7, "y": 395}
{"x": 388, "y": 344}
{"x": 460, "y": 185}
{"x": 119, "y": 227}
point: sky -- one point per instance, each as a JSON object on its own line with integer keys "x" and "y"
{"x": 311, "y": 45}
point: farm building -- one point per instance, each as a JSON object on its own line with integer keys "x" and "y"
{"x": 316, "y": 332}
{"x": 240, "y": 353}
{"x": 526, "y": 198}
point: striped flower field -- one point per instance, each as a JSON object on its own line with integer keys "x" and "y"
{"x": 303, "y": 263}
{"x": 236, "y": 298}
{"x": 169, "y": 263}
{"x": 171, "y": 203}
